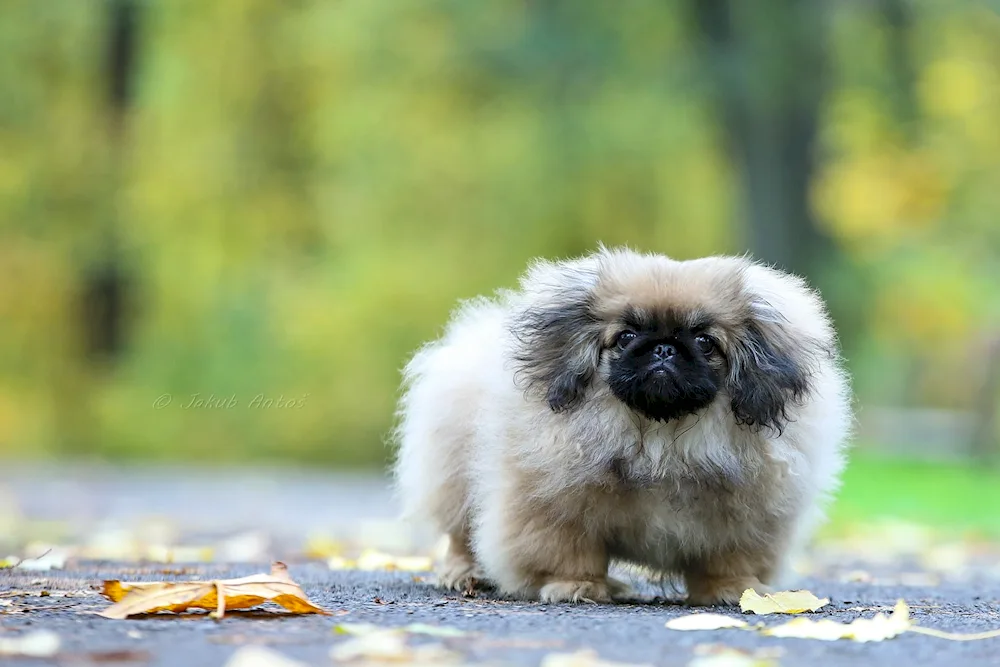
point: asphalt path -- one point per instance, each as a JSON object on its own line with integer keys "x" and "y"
{"x": 499, "y": 631}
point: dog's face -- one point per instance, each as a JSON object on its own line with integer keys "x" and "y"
{"x": 667, "y": 338}
{"x": 660, "y": 365}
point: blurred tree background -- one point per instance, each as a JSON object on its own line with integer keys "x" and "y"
{"x": 274, "y": 200}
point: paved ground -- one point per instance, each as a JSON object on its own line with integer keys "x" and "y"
{"x": 286, "y": 510}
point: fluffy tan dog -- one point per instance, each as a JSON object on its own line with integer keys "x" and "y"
{"x": 685, "y": 416}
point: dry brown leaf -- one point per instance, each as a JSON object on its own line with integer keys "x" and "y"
{"x": 785, "y": 602}
{"x": 132, "y": 598}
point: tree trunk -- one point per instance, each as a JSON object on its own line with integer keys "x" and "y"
{"x": 766, "y": 62}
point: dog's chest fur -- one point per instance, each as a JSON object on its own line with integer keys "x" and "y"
{"x": 684, "y": 487}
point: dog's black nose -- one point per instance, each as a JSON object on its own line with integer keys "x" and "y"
{"x": 664, "y": 351}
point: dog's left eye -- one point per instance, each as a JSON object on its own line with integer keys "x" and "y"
{"x": 705, "y": 344}
{"x": 624, "y": 338}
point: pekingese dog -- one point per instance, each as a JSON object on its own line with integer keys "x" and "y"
{"x": 689, "y": 417}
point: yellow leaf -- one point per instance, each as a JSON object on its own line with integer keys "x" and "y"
{"x": 132, "y": 598}
{"x": 804, "y": 628}
{"x": 876, "y": 629}
{"x": 785, "y": 602}
{"x": 705, "y": 622}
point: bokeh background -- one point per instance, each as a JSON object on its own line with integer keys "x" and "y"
{"x": 270, "y": 203}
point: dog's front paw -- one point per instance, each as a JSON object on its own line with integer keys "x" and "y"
{"x": 582, "y": 591}
{"x": 708, "y": 591}
{"x": 459, "y": 574}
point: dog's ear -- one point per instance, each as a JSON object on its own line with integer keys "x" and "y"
{"x": 769, "y": 367}
{"x": 557, "y": 340}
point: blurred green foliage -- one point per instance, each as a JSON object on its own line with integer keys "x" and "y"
{"x": 300, "y": 192}
{"x": 953, "y": 498}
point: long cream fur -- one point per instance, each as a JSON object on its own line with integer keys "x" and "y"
{"x": 538, "y": 500}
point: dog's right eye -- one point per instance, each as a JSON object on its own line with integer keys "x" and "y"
{"x": 624, "y": 338}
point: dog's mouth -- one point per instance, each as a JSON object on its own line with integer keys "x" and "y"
{"x": 662, "y": 396}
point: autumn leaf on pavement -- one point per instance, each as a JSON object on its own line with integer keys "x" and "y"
{"x": 132, "y": 598}
{"x": 786, "y": 602}
{"x": 875, "y": 629}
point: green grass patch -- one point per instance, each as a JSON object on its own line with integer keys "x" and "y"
{"x": 946, "y": 496}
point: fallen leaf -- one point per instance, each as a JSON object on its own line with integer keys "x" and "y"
{"x": 37, "y": 644}
{"x": 582, "y": 658}
{"x": 875, "y": 629}
{"x": 705, "y": 622}
{"x": 132, "y": 598}
{"x": 786, "y": 602}
{"x": 804, "y": 628}
{"x": 260, "y": 656}
{"x": 878, "y": 628}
